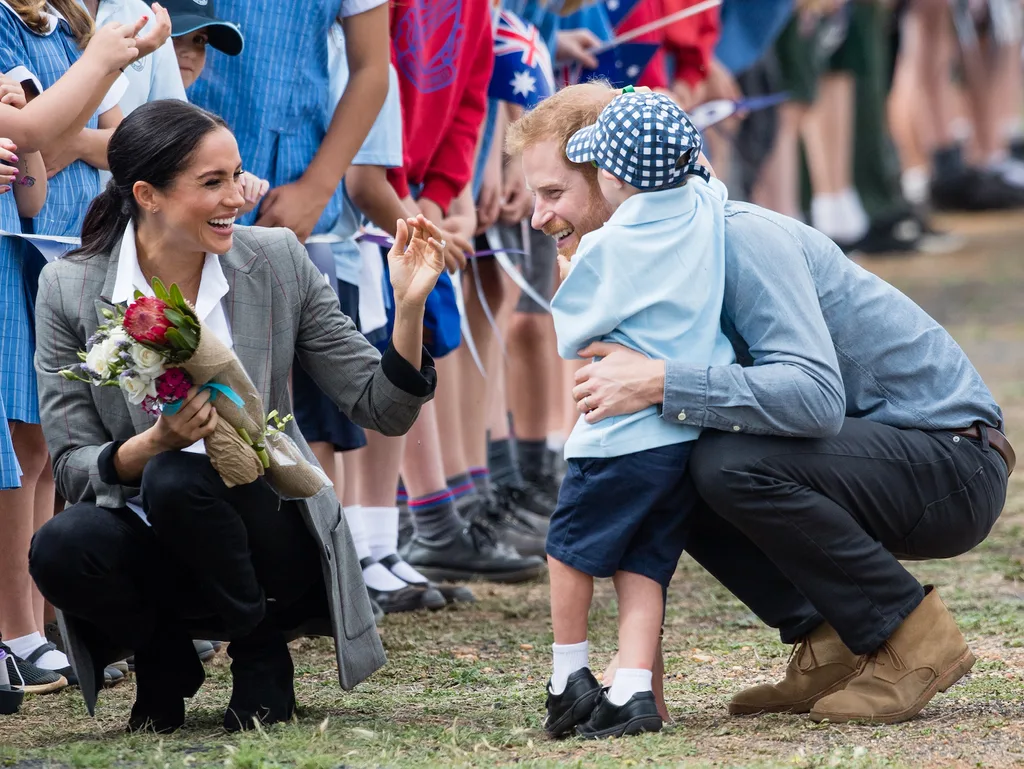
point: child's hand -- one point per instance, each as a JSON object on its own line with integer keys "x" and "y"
{"x": 158, "y": 34}
{"x": 113, "y": 45}
{"x": 8, "y": 165}
{"x": 12, "y": 92}
{"x": 253, "y": 190}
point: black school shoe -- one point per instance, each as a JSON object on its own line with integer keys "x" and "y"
{"x": 639, "y": 714}
{"x": 573, "y": 706}
{"x": 450, "y": 593}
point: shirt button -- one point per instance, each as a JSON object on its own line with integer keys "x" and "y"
{"x": 735, "y": 428}
{"x": 956, "y": 439}
{"x": 682, "y": 416}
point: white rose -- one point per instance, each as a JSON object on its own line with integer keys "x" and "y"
{"x": 118, "y": 334}
{"x": 102, "y": 358}
{"x": 138, "y": 388}
{"x": 148, "y": 363}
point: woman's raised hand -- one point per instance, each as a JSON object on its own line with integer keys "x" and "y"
{"x": 197, "y": 418}
{"x": 415, "y": 260}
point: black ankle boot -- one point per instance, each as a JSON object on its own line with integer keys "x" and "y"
{"x": 167, "y": 671}
{"x": 263, "y": 687}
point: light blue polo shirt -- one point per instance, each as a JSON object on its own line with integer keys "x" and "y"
{"x": 382, "y": 147}
{"x": 652, "y": 279}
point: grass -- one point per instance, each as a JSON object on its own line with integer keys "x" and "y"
{"x": 464, "y": 687}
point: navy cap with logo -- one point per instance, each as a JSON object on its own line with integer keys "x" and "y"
{"x": 644, "y": 139}
{"x": 189, "y": 15}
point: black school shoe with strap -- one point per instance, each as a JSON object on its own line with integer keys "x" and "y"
{"x": 450, "y": 593}
{"x": 408, "y": 598}
{"x": 573, "y": 706}
{"x": 639, "y": 714}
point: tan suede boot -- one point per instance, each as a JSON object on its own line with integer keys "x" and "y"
{"x": 926, "y": 654}
{"x": 819, "y": 665}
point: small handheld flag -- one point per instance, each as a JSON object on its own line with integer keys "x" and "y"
{"x": 522, "y": 64}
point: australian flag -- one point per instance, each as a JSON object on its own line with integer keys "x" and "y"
{"x": 522, "y": 63}
{"x": 621, "y": 65}
{"x": 618, "y": 10}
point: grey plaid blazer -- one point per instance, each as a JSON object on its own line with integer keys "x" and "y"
{"x": 279, "y": 307}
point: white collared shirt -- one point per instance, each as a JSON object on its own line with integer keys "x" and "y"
{"x": 213, "y": 287}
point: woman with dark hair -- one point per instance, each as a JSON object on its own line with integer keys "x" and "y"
{"x": 155, "y": 549}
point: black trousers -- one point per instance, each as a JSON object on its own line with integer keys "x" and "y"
{"x": 803, "y": 530}
{"x": 227, "y": 561}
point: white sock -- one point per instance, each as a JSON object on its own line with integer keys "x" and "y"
{"x": 556, "y": 442}
{"x": 825, "y": 215}
{"x": 375, "y": 576}
{"x": 853, "y": 215}
{"x": 382, "y": 529}
{"x": 629, "y": 681}
{"x": 378, "y": 577}
{"x": 26, "y": 644}
{"x": 357, "y": 528}
{"x": 381, "y": 525}
{"x": 567, "y": 659}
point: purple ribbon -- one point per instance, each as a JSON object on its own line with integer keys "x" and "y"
{"x": 385, "y": 241}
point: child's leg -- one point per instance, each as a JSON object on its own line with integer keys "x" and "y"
{"x": 571, "y": 594}
{"x": 640, "y": 616}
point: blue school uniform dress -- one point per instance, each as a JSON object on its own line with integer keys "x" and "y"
{"x": 41, "y": 59}
{"x": 651, "y": 279}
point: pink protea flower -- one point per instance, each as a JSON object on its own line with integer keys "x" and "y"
{"x": 145, "y": 321}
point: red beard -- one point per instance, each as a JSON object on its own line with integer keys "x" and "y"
{"x": 145, "y": 321}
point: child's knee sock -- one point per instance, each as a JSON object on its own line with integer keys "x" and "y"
{"x": 568, "y": 658}
{"x": 629, "y": 681}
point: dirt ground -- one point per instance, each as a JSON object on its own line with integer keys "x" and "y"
{"x": 465, "y": 687}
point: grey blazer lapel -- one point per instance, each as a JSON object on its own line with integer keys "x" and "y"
{"x": 248, "y": 305}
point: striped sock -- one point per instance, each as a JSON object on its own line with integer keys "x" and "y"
{"x": 461, "y": 486}
{"x": 401, "y": 495}
{"x": 434, "y": 516}
{"x": 481, "y": 478}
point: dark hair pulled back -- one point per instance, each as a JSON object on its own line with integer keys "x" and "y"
{"x": 153, "y": 144}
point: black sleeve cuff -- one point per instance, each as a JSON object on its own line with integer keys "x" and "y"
{"x": 108, "y": 473}
{"x": 405, "y": 377}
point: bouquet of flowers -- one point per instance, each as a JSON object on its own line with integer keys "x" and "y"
{"x": 156, "y": 349}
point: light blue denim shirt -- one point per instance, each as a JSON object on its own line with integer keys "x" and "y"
{"x": 381, "y": 147}
{"x": 819, "y": 338}
{"x": 652, "y": 278}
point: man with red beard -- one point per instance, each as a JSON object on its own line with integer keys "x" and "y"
{"x": 851, "y": 433}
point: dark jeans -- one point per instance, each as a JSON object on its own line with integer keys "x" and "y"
{"x": 831, "y": 517}
{"x": 227, "y": 561}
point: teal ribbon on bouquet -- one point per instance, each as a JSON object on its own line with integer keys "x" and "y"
{"x": 214, "y": 389}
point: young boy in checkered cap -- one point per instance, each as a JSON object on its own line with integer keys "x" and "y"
{"x": 652, "y": 279}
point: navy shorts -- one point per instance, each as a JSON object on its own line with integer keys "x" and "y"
{"x": 625, "y": 513}
{"x": 318, "y": 418}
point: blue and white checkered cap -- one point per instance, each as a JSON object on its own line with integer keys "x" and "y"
{"x": 644, "y": 139}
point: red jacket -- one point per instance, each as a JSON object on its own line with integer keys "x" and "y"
{"x": 443, "y": 51}
{"x": 691, "y": 41}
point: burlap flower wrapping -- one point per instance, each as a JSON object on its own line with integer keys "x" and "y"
{"x": 242, "y": 448}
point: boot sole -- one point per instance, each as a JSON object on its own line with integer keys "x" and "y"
{"x": 952, "y": 674}
{"x": 442, "y": 574}
{"x": 799, "y": 708}
{"x": 631, "y": 727}
{"x": 574, "y": 716}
